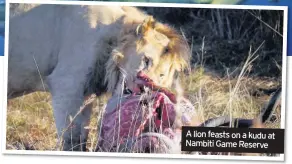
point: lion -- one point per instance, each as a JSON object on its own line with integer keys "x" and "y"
{"x": 74, "y": 51}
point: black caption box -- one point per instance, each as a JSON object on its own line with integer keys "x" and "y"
{"x": 237, "y": 140}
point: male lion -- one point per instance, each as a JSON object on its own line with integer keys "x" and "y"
{"x": 73, "y": 51}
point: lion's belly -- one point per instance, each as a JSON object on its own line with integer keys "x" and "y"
{"x": 25, "y": 78}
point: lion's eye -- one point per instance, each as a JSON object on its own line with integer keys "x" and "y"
{"x": 147, "y": 62}
{"x": 166, "y": 50}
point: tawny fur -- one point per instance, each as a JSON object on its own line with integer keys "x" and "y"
{"x": 73, "y": 51}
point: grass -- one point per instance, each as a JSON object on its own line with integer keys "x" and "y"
{"x": 30, "y": 122}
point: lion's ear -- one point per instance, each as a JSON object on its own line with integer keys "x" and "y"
{"x": 148, "y": 23}
{"x": 117, "y": 56}
{"x": 112, "y": 70}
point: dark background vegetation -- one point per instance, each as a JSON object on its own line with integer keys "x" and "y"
{"x": 227, "y": 36}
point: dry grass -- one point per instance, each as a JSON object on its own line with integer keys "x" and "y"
{"x": 30, "y": 122}
{"x": 212, "y": 97}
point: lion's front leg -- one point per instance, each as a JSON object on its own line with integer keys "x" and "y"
{"x": 68, "y": 82}
{"x": 70, "y": 118}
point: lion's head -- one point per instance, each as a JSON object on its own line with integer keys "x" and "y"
{"x": 150, "y": 47}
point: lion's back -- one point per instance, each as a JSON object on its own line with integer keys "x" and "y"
{"x": 38, "y": 34}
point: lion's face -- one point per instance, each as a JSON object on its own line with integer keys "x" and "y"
{"x": 154, "y": 49}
